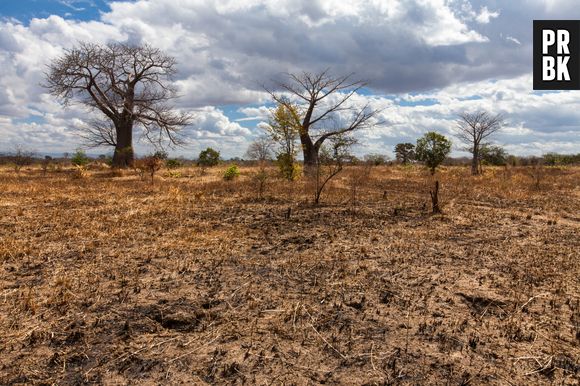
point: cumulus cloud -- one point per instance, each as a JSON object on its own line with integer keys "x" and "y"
{"x": 425, "y": 60}
{"x": 485, "y": 15}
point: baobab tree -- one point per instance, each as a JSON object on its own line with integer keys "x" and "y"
{"x": 129, "y": 85}
{"x": 323, "y": 101}
{"x": 473, "y": 129}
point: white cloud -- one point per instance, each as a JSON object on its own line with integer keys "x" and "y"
{"x": 485, "y": 15}
{"x": 417, "y": 51}
{"x": 514, "y": 40}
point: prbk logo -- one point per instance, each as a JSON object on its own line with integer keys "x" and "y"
{"x": 556, "y": 54}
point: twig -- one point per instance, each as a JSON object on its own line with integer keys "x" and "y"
{"x": 193, "y": 351}
{"x": 532, "y": 298}
{"x": 321, "y": 337}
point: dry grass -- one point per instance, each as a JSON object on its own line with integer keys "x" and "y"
{"x": 107, "y": 278}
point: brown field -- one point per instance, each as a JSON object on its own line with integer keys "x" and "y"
{"x": 109, "y": 279}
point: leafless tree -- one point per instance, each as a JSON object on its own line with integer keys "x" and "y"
{"x": 473, "y": 129}
{"x": 21, "y": 157}
{"x": 321, "y": 98}
{"x": 129, "y": 85}
{"x": 260, "y": 150}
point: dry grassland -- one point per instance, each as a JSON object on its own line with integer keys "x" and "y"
{"x": 108, "y": 279}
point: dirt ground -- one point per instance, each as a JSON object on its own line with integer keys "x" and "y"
{"x": 109, "y": 279}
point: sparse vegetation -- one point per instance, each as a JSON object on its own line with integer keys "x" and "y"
{"x": 331, "y": 161}
{"x": 149, "y": 165}
{"x": 191, "y": 276}
{"x": 231, "y": 172}
{"x": 21, "y": 157}
{"x": 79, "y": 158}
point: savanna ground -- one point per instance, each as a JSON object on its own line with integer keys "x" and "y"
{"x": 109, "y": 279}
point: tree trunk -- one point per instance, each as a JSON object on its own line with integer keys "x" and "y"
{"x": 435, "y": 198}
{"x": 310, "y": 153}
{"x": 124, "y": 155}
{"x": 475, "y": 162}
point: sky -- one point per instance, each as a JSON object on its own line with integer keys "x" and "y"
{"x": 425, "y": 62}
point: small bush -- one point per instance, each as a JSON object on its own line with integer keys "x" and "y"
{"x": 21, "y": 157}
{"x": 79, "y": 158}
{"x": 288, "y": 167}
{"x": 260, "y": 177}
{"x": 174, "y": 174}
{"x": 150, "y": 165}
{"x": 173, "y": 163}
{"x": 231, "y": 173}
{"x": 80, "y": 172}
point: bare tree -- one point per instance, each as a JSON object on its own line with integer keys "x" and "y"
{"x": 260, "y": 150}
{"x": 21, "y": 157}
{"x": 473, "y": 129}
{"x": 129, "y": 85}
{"x": 321, "y": 97}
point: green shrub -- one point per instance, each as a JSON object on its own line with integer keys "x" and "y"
{"x": 173, "y": 163}
{"x": 231, "y": 173}
{"x": 209, "y": 157}
{"x": 288, "y": 167}
{"x": 174, "y": 174}
{"x": 79, "y": 158}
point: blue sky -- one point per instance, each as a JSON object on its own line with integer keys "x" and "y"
{"x": 25, "y": 10}
{"x": 425, "y": 61}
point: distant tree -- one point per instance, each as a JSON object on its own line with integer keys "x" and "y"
{"x": 405, "y": 152}
{"x": 493, "y": 155}
{"x": 432, "y": 149}
{"x": 79, "y": 158}
{"x": 21, "y": 157}
{"x": 208, "y": 158}
{"x": 260, "y": 149}
{"x": 161, "y": 155}
{"x": 321, "y": 96}
{"x": 171, "y": 163}
{"x": 46, "y": 164}
{"x": 376, "y": 159}
{"x": 473, "y": 129}
{"x": 130, "y": 85}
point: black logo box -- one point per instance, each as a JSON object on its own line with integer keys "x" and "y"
{"x": 573, "y": 28}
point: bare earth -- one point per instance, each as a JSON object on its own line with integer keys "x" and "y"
{"x": 193, "y": 280}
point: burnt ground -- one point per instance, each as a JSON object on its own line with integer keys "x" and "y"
{"x": 112, "y": 280}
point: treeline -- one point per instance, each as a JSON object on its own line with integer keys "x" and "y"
{"x": 548, "y": 159}
{"x": 404, "y": 154}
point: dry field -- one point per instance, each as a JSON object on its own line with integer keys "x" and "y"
{"x": 108, "y": 279}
